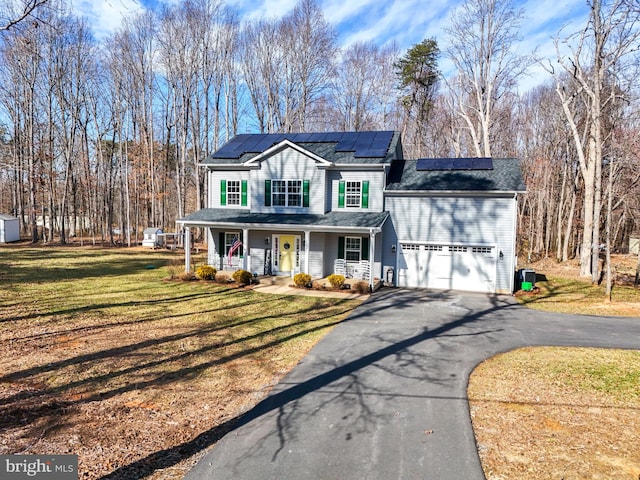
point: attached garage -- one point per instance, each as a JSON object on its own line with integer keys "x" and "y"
{"x": 470, "y": 268}
{"x": 453, "y": 224}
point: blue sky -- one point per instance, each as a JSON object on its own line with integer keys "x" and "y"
{"x": 405, "y": 21}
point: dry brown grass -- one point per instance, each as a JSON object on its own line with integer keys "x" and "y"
{"x": 104, "y": 357}
{"x": 558, "y": 413}
{"x": 561, "y": 289}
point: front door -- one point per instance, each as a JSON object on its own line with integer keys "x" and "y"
{"x": 287, "y": 253}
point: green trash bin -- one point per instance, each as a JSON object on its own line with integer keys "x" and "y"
{"x": 527, "y": 280}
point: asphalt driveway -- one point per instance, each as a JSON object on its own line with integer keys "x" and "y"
{"x": 383, "y": 396}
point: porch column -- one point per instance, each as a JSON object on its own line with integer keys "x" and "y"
{"x": 187, "y": 249}
{"x": 372, "y": 252}
{"x": 307, "y": 241}
{"x": 245, "y": 246}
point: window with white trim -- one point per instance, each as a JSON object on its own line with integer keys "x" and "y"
{"x": 352, "y": 249}
{"x": 233, "y": 192}
{"x": 232, "y": 243}
{"x": 286, "y": 193}
{"x": 352, "y": 194}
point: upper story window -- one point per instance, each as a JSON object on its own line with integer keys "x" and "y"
{"x": 286, "y": 193}
{"x": 233, "y": 193}
{"x": 353, "y": 194}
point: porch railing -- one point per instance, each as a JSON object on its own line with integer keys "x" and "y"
{"x": 357, "y": 270}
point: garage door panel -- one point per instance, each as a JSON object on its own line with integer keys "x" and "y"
{"x": 454, "y": 267}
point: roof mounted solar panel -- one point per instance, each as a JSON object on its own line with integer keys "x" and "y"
{"x": 303, "y": 137}
{"x": 426, "y": 164}
{"x": 482, "y": 163}
{"x": 444, "y": 163}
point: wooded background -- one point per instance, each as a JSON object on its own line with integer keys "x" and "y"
{"x": 99, "y": 140}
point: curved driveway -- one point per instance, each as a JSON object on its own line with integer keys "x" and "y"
{"x": 383, "y": 396}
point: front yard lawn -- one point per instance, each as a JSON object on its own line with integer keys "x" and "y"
{"x": 105, "y": 357}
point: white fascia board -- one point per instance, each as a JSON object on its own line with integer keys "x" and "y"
{"x": 224, "y": 166}
{"x": 361, "y": 166}
{"x": 284, "y": 144}
{"x": 280, "y": 227}
{"x": 450, "y": 193}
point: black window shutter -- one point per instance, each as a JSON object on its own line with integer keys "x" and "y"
{"x": 267, "y": 193}
{"x": 364, "y": 248}
{"x": 341, "y": 247}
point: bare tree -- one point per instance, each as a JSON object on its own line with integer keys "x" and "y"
{"x": 15, "y": 12}
{"x": 287, "y": 66}
{"x": 598, "y": 55}
{"x": 482, "y": 36}
{"x": 362, "y": 87}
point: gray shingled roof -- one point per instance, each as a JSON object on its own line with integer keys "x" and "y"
{"x": 328, "y": 221}
{"x": 341, "y": 148}
{"x": 506, "y": 176}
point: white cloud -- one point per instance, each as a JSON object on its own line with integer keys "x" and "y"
{"x": 405, "y": 21}
{"x": 254, "y": 10}
{"x": 104, "y": 16}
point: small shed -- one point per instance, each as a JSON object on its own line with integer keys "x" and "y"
{"x": 9, "y": 228}
{"x": 153, "y": 237}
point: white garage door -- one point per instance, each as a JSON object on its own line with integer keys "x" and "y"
{"x": 450, "y": 267}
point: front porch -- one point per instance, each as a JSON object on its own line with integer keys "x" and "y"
{"x": 285, "y": 244}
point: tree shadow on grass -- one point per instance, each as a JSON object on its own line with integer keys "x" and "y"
{"x": 276, "y": 401}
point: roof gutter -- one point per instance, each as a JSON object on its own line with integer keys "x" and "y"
{"x": 449, "y": 193}
{"x": 282, "y": 226}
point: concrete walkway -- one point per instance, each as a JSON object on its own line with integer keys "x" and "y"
{"x": 383, "y": 396}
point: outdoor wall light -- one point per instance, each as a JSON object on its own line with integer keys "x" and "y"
{"x": 501, "y": 255}
{"x": 266, "y": 240}
{"x": 393, "y": 249}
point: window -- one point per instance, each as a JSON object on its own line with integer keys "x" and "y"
{"x": 279, "y": 193}
{"x": 294, "y": 193}
{"x": 233, "y": 192}
{"x": 352, "y": 249}
{"x": 353, "y": 194}
{"x": 232, "y": 244}
{"x": 286, "y": 193}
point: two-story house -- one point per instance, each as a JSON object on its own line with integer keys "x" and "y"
{"x": 349, "y": 203}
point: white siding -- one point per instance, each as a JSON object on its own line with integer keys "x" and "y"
{"x": 288, "y": 164}
{"x": 456, "y": 221}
